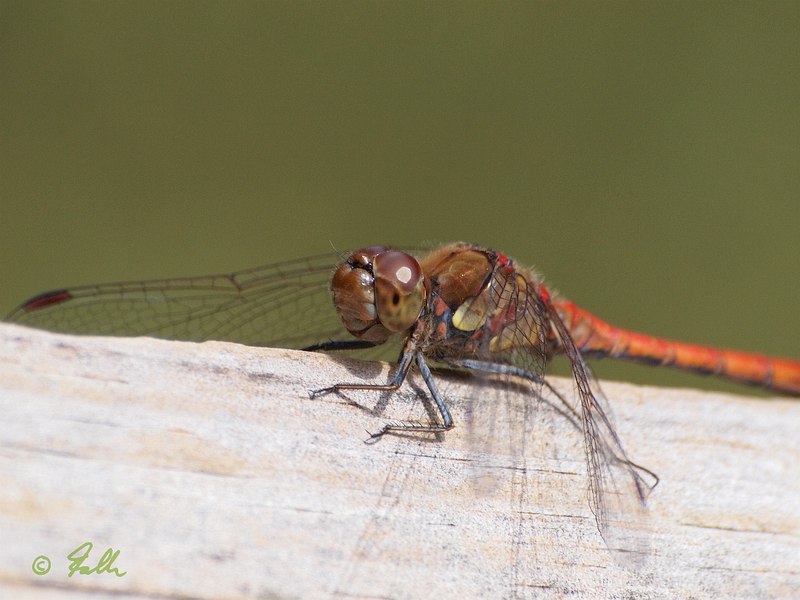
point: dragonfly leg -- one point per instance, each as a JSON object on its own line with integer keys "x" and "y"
{"x": 500, "y": 369}
{"x": 397, "y": 381}
{"x": 496, "y": 368}
{"x": 447, "y": 419}
{"x": 394, "y": 384}
{"x": 339, "y": 345}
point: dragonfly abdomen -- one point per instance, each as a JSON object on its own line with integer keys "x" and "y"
{"x": 595, "y": 337}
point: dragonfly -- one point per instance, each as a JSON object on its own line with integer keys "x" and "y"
{"x": 460, "y": 305}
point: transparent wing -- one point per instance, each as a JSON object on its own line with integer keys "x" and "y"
{"x": 522, "y": 343}
{"x": 617, "y": 488}
{"x": 286, "y": 304}
{"x": 506, "y": 424}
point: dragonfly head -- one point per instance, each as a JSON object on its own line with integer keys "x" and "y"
{"x": 378, "y": 292}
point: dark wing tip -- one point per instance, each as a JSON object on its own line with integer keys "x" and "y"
{"x": 41, "y": 301}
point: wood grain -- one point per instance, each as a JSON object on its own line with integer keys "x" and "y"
{"x": 215, "y": 475}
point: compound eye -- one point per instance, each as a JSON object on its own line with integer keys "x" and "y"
{"x": 400, "y": 292}
{"x": 354, "y": 298}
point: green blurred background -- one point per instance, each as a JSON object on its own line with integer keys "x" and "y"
{"x": 645, "y": 157}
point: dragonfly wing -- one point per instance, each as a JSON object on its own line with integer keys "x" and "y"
{"x": 521, "y": 338}
{"x": 617, "y": 488}
{"x": 285, "y": 304}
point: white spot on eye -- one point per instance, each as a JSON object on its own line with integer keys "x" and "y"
{"x": 403, "y": 274}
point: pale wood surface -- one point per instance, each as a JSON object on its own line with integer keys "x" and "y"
{"x": 216, "y": 476}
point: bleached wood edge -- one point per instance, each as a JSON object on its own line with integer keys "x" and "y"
{"x": 215, "y": 475}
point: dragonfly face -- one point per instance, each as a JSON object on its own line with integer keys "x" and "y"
{"x": 378, "y": 292}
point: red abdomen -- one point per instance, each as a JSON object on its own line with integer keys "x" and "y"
{"x": 594, "y": 336}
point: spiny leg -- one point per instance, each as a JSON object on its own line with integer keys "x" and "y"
{"x": 501, "y": 369}
{"x": 402, "y": 371}
{"x": 393, "y": 385}
{"x": 447, "y": 419}
{"x": 339, "y": 345}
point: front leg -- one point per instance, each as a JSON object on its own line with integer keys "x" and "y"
{"x": 410, "y": 356}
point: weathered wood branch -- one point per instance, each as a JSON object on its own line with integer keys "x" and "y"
{"x": 216, "y": 476}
